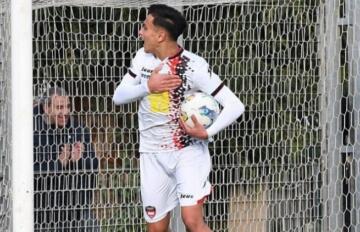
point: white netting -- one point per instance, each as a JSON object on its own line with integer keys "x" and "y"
{"x": 130, "y": 4}
{"x": 290, "y": 163}
{"x": 266, "y": 53}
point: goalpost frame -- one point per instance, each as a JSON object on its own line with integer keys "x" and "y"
{"x": 21, "y": 113}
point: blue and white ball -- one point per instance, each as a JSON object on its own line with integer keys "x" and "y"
{"x": 203, "y": 106}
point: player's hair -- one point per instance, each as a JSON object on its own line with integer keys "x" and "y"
{"x": 47, "y": 95}
{"x": 168, "y": 18}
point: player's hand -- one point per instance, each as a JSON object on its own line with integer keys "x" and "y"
{"x": 65, "y": 154}
{"x": 77, "y": 151}
{"x": 159, "y": 82}
{"x": 198, "y": 131}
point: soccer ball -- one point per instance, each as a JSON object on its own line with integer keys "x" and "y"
{"x": 203, "y": 106}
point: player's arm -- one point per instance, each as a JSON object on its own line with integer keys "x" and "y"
{"x": 130, "y": 89}
{"x": 232, "y": 109}
{"x": 210, "y": 83}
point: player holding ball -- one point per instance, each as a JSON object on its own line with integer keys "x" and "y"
{"x": 174, "y": 159}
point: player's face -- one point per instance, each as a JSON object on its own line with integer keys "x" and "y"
{"x": 149, "y": 33}
{"x": 58, "y": 111}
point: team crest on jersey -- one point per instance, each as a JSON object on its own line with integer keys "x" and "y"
{"x": 150, "y": 211}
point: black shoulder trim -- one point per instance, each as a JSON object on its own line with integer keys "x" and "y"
{"x": 131, "y": 73}
{"x": 217, "y": 89}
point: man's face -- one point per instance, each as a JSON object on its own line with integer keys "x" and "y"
{"x": 150, "y": 34}
{"x": 58, "y": 111}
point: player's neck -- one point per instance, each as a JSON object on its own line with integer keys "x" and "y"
{"x": 169, "y": 50}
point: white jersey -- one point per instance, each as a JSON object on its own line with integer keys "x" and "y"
{"x": 159, "y": 113}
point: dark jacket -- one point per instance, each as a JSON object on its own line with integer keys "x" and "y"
{"x": 60, "y": 188}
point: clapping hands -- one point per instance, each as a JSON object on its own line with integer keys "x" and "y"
{"x": 71, "y": 153}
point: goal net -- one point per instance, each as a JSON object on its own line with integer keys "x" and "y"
{"x": 290, "y": 163}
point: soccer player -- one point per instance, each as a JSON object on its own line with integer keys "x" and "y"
{"x": 174, "y": 158}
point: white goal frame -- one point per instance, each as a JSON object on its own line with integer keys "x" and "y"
{"x": 22, "y": 130}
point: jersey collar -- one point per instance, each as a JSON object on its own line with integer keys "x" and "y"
{"x": 178, "y": 53}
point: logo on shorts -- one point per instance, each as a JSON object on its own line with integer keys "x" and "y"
{"x": 186, "y": 196}
{"x": 150, "y": 211}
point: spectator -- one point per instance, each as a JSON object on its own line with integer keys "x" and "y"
{"x": 65, "y": 167}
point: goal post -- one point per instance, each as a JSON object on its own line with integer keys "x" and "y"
{"x": 21, "y": 116}
{"x": 5, "y": 118}
{"x": 340, "y": 117}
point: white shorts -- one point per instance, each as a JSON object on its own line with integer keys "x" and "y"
{"x": 170, "y": 178}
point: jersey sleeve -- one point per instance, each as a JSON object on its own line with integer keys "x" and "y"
{"x": 232, "y": 109}
{"x": 205, "y": 79}
{"x": 135, "y": 67}
{"x": 131, "y": 88}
